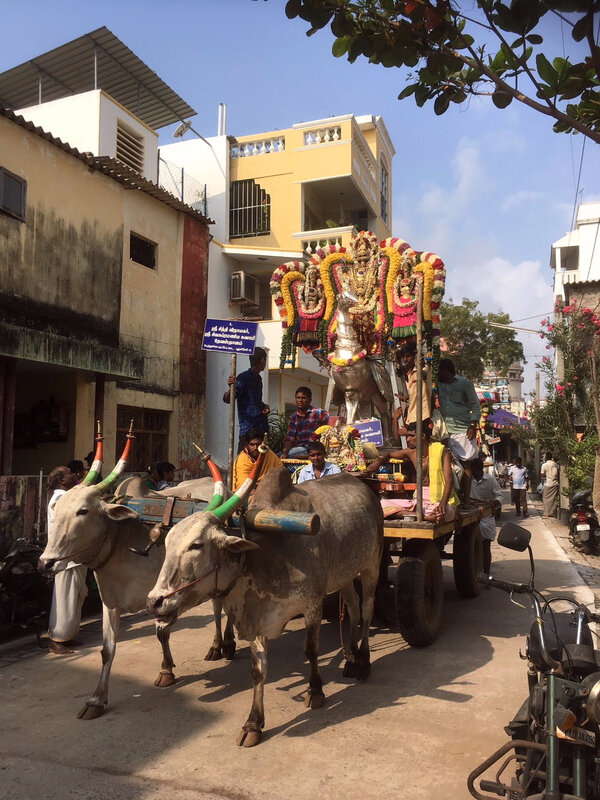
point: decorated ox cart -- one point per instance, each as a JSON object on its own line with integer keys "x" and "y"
{"x": 352, "y": 309}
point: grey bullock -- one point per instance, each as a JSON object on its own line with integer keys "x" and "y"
{"x": 266, "y": 584}
{"x": 99, "y": 534}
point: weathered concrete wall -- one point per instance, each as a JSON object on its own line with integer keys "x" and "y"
{"x": 150, "y": 297}
{"x": 61, "y": 268}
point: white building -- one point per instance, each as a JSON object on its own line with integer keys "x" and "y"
{"x": 575, "y": 258}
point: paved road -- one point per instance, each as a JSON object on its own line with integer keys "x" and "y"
{"x": 424, "y": 719}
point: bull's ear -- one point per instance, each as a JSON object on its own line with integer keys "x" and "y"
{"x": 118, "y": 513}
{"x": 235, "y": 544}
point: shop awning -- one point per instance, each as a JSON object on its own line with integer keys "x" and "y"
{"x": 500, "y": 418}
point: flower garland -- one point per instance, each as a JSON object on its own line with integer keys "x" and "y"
{"x": 286, "y": 310}
{"x": 346, "y": 362}
{"x": 286, "y": 293}
{"x": 384, "y": 317}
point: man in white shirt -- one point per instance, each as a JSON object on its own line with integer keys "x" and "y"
{"x": 549, "y": 474}
{"x": 318, "y": 467}
{"x": 520, "y": 483}
{"x": 485, "y": 489}
{"x": 70, "y": 588}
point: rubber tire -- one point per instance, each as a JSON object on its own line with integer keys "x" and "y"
{"x": 419, "y": 596}
{"x": 468, "y": 560}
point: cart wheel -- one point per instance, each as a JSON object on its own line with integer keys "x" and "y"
{"x": 419, "y": 596}
{"x": 468, "y": 560}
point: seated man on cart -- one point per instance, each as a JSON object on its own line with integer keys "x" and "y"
{"x": 439, "y": 497}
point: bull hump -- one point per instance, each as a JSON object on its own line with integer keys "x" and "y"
{"x": 277, "y": 491}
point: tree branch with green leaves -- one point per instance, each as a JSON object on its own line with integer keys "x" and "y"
{"x": 463, "y": 52}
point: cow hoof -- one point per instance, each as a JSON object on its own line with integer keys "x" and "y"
{"x": 165, "y": 679}
{"x": 249, "y": 738}
{"x": 91, "y": 712}
{"x": 314, "y": 700}
{"x": 214, "y": 654}
{"x": 229, "y": 650}
{"x": 362, "y": 671}
{"x": 349, "y": 669}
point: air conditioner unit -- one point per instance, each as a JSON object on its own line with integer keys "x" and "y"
{"x": 244, "y": 288}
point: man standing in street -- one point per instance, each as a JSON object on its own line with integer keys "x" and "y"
{"x": 549, "y": 473}
{"x": 318, "y": 467}
{"x": 486, "y": 489}
{"x": 460, "y": 408}
{"x": 303, "y": 424}
{"x": 520, "y": 484}
{"x": 252, "y": 412}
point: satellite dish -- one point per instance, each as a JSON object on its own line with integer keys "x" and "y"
{"x": 182, "y": 129}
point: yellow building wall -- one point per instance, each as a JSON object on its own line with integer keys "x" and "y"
{"x": 281, "y": 175}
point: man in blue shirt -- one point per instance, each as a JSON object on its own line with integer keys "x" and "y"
{"x": 318, "y": 467}
{"x": 252, "y": 412}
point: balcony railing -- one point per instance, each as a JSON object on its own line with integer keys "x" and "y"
{"x": 323, "y": 135}
{"x": 312, "y": 240}
{"x": 260, "y": 147}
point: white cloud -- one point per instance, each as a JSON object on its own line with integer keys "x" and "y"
{"x": 520, "y": 198}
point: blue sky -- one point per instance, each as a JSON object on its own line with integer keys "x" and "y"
{"x": 488, "y": 190}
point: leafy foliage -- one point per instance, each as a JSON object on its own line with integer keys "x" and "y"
{"x": 473, "y": 343}
{"x": 569, "y": 407}
{"x": 278, "y": 426}
{"x": 452, "y": 49}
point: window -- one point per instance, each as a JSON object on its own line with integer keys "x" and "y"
{"x": 13, "y": 194}
{"x": 151, "y": 431}
{"x": 142, "y": 251}
{"x": 384, "y": 193}
{"x": 130, "y": 148}
{"x": 249, "y": 210}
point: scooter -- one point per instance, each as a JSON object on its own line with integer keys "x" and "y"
{"x": 584, "y": 530}
{"x": 25, "y": 595}
{"x": 554, "y": 752}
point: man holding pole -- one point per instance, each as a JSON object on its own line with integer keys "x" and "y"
{"x": 461, "y": 410}
{"x": 252, "y": 412}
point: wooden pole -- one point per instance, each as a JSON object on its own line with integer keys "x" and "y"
{"x": 418, "y": 367}
{"x": 230, "y": 454}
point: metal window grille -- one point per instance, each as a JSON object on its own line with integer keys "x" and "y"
{"x": 142, "y": 251}
{"x": 13, "y": 194}
{"x": 151, "y": 431}
{"x": 130, "y": 148}
{"x": 250, "y": 210}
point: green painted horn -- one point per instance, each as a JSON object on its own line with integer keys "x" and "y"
{"x": 235, "y": 501}
{"x": 219, "y": 494}
{"x": 119, "y": 468}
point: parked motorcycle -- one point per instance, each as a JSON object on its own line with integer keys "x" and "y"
{"x": 584, "y": 530}
{"x": 25, "y": 595}
{"x": 554, "y": 752}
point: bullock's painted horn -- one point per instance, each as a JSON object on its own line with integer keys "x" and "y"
{"x": 120, "y": 465}
{"x": 240, "y": 497}
{"x": 219, "y": 494}
{"x": 95, "y": 470}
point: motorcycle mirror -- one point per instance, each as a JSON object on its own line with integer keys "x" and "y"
{"x": 514, "y": 537}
